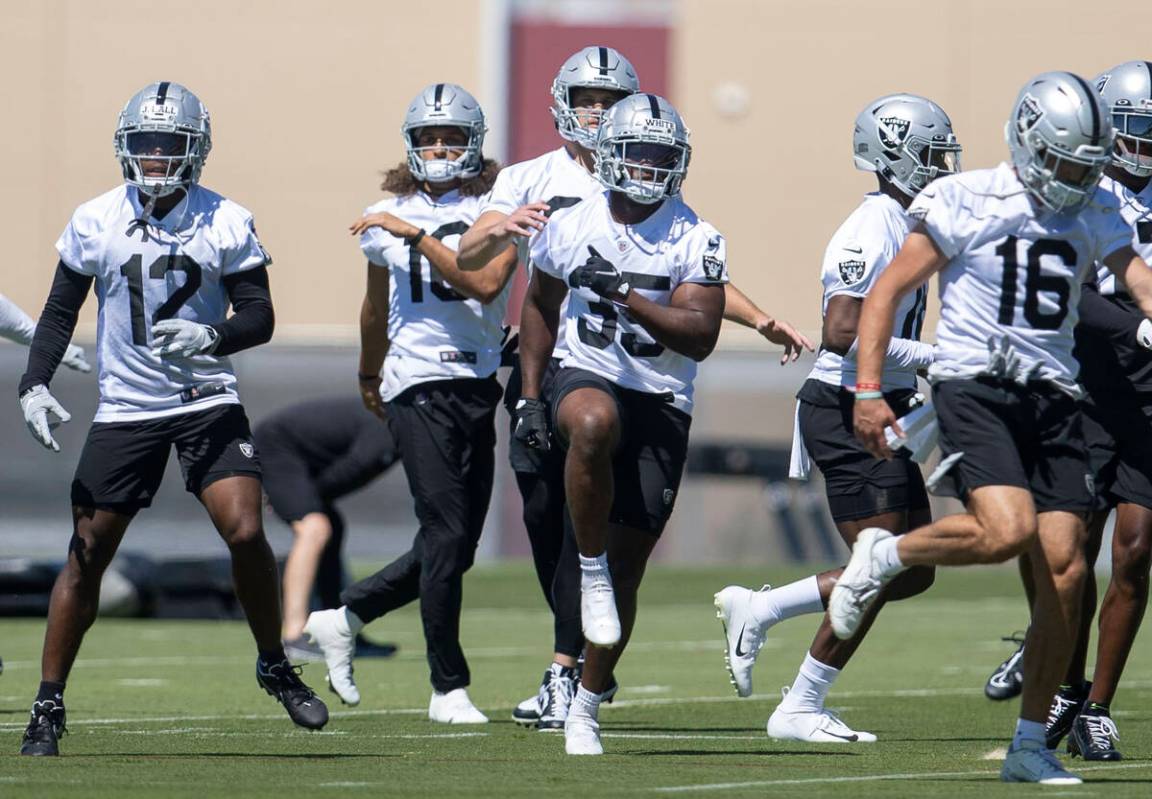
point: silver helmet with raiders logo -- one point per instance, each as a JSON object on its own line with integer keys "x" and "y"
{"x": 444, "y": 105}
{"x": 907, "y": 140}
{"x": 163, "y": 136}
{"x": 593, "y": 68}
{"x": 1127, "y": 93}
{"x": 1060, "y": 136}
{"x": 642, "y": 149}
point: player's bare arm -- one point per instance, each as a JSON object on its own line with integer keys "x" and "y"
{"x": 1136, "y": 275}
{"x": 689, "y": 324}
{"x": 919, "y": 258}
{"x": 494, "y": 232}
{"x": 539, "y": 319}
{"x": 739, "y": 308}
{"x": 373, "y": 338}
{"x": 841, "y": 320}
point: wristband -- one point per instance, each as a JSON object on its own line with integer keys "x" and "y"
{"x": 365, "y": 378}
{"x": 866, "y": 395}
{"x": 414, "y": 240}
{"x": 868, "y": 387}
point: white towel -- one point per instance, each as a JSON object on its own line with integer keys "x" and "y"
{"x": 921, "y": 432}
{"x": 800, "y": 465}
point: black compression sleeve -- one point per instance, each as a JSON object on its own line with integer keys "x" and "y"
{"x": 252, "y": 319}
{"x": 1101, "y": 315}
{"x": 55, "y": 326}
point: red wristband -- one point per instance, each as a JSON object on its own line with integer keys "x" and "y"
{"x": 868, "y": 387}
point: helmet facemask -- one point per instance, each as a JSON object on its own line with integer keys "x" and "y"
{"x": 467, "y": 164}
{"x": 568, "y": 117}
{"x": 159, "y": 159}
{"x": 1133, "y": 149}
{"x": 647, "y": 168}
{"x": 1062, "y": 180}
{"x": 931, "y": 159}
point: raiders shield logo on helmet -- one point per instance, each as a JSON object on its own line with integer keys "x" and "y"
{"x": 893, "y": 131}
{"x": 851, "y": 271}
{"x": 1029, "y": 113}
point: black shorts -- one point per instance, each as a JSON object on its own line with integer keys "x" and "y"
{"x": 123, "y": 463}
{"x": 289, "y": 484}
{"x": 1118, "y": 432}
{"x": 649, "y": 460}
{"x": 523, "y": 458}
{"x": 858, "y": 484}
{"x": 1025, "y": 436}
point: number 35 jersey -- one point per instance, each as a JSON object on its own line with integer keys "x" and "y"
{"x": 167, "y": 269}
{"x": 1014, "y": 272}
{"x": 671, "y": 247}
{"x": 434, "y": 332}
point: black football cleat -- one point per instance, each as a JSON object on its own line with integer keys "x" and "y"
{"x": 1093, "y": 735}
{"x": 1008, "y": 680}
{"x": 282, "y": 680}
{"x": 42, "y": 736}
{"x": 1066, "y": 706}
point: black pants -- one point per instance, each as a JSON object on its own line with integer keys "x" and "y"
{"x": 447, "y": 439}
{"x": 540, "y": 478}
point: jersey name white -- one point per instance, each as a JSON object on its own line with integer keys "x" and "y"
{"x": 1014, "y": 274}
{"x": 554, "y": 178}
{"x": 169, "y": 268}
{"x": 671, "y": 247}
{"x": 1136, "y": 208}
{"x": 858, "y": 253}
{"x": 434, "y": 332}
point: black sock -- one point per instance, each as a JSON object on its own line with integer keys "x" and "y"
{"x": 51, "y": 692}
{"x": 272, "y": 658}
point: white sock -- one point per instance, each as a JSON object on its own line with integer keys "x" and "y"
{"x": 594, "y": 569}
{"x": 1029, "y": 731}
{"x": 887, "y": 558}
{"x": 350, "y": 620}
{"x": 585, "y": 703}
{"x": 810, "y": 687}
{"x": 795, "y": 599}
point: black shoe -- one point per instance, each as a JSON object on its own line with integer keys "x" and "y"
{"x": 1008, "y": 680}
{"x": 556, "y": 695}
{"x": 41, "y": 738}
{"x": 371, "y": 649}
{"x": 282, "y": 680}
{"x": 1093, "y": 736}
{"x": 1065, "y": 707}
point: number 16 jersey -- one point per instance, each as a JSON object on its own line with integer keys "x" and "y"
{"x": 166, "y": 269}
{"x": 1014, "y": 272}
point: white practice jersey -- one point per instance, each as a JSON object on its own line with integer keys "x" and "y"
{"x": 857, "y": 255}
{"x": 434, "y": 332}
{"x": 671, "y": 247}
{"x": 1014, "y": 272}
{"x": 554, "y": 178}
{"x": 1136, "y": 208}
{"x": 169, "y": 268}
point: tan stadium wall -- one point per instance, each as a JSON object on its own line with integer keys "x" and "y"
{"x": 306, "y": 100}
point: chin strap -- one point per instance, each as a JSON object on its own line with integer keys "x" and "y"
{"x": 141, "y": 223}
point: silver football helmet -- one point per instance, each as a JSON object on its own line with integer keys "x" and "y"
{"x": 445, "y": 104}
{"x": 642, "y": 149}
{"x": 162, "y": 138}
{"x": 907, "y": 140}
{"x": 1127, "y": 93}
{"x": 1060, "y": 138}
{"x": 596, "y": 68}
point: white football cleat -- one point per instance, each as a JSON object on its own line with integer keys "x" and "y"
{"x": 329, "y": 630}
{"x": 824, "y": 727}
{"x": 1032, "y": 762}
{"x": 527, "y": 713}
{"x": 598, "y": 617}
{"x": 743, "y": 634}
{"x": 858, "y": 586}
{"x": 582, "y": 735}
{"x": 455, "y": 707}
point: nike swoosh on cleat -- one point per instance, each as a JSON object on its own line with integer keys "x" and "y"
{"x": 850, "y": 738}
{"x": 740, "y": 640}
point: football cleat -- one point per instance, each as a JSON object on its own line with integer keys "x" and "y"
{"x": 859, "y": 585}
{"x": 1008, "y": 680}
{"x": 329, "y": 630}
{"x": 582, "y": 735}
{"x": 824, "y": 727}
{"x": 1065, "y": 707}
{"x": 598, "y": 617}
{"x": 555, "y": 698}
{"x": 1031, "y": 762}
{"x": 454, "y": 707}
{"x": 743, "y": 635}
{"x": 1093, "y": 736}
{"x": 282, "y": 680}
{"x": 42, "y": 736}
{"x": 527, "y": 713}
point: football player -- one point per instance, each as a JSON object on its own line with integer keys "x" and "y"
{"x": 1113, "y": 337}
{"x": 907, "y": 141}
{"x": 436, "y": 332}
{"x": 167, "y": 256}
{"x": 1012, "y": 245}
{"x": 525, "y": 197}
{"x": 647, "y": 297}
{"x": 17, "y": 326}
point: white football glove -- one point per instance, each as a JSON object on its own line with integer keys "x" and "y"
{"x": 179, "y": 338}
{"x": 74, "y": 359}
{"x": 37, "y": 403}
{"x": 1144, "y": 334}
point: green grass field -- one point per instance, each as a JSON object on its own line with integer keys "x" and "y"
{"x": 171, "y": 709}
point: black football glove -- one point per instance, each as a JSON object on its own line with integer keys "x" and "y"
{"x": 531, "y": 424}
{"x": 601, "y": 276}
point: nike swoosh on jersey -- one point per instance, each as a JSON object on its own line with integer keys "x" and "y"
{"x": 857, "y": 250}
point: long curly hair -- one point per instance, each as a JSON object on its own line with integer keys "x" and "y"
{"x": 399, "y": 181}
